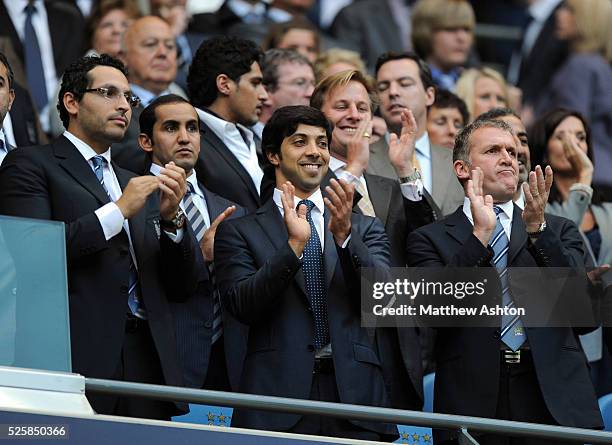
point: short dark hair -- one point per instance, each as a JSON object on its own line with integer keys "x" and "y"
{"x": 148, "y": 117}
{"x": 497, "y": 113}
{"x": 275, "y": 57}
{"x": 447, "y": 99}
{"x": 285, "y": 121}
{"x": 11, "y": 76}
{"x": 76, "y": 80}
{"x": 227, "y": 55}
{"x": 277, "y": 32}
{"x": 461, "y": 150}
{"x": 424, "y": 71}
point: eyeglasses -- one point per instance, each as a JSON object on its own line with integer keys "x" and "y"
{"x": 112, "y": 93}
{"x": 300, "y": 83}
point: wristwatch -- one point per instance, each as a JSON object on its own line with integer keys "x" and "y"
{"x": 175, "y": 223}
{"x": 416, "y": 174}
{"x": 537, "y": 232}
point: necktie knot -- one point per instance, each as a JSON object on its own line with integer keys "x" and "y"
{"x": 308, "y": 203}
{"x": 98, "y": 161}
{"x": 190, "y": 189}
{"x": 497, "y": 210}
{"x": 30, "y": 9}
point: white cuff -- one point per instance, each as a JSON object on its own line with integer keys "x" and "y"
{"x": 413, "y": 190}
{"x": 111, "y": 219}
{"x": 176, "y": 237}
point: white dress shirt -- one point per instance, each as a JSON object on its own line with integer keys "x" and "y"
{"x": 229, "y": 133}
{"x": 16, "y": 10}
{"x": 316, "y": 213}
{"x": 505, "y": 216}
{"x": 198, "y": 197}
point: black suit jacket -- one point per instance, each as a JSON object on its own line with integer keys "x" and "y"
{"x": 467, "y": 374}
{"x": 55, "y": 182}
{"x": 194, "y": 317}
{"x": 222, "y": 173}
{"x": 66, "y": 27}
{"x": 262, "y": 284}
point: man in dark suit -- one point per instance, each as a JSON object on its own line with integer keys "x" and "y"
{"x": 127, "y": 249}
{"x": 514, "y": 372}
{"x": 225, "y": 86}
{"x": 170, "y": 133}
{"x": 60, "y": 36}
{"x": 7, "y": 96}
{"x": 291, "y": 272}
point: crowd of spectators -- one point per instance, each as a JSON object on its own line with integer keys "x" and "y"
{"x": 216, "y": 103}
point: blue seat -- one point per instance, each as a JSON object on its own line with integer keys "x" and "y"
{"x": 417, "y": 434}
{"x": 605, "y": 406}
{"x": 428, "y": 392}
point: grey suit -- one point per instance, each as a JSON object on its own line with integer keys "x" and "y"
{"x": 447, "y": 192}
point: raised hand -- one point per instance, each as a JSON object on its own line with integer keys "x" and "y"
{"x": 207, "y": 243}
{"x": 401, "y": 150}
{"x": 135, "y": 195}
{"x": 339, "y": 201}
{"x": 578, "y": 159}
{"x": 482, "y": 208}
{"x": 536, "y": 197}
{"x": 173, "y": 185}
{"x": 358, "y": 149}
{"x": 298, "y": 227}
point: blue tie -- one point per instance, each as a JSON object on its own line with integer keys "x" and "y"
{"x": 513, "y": 331}
{"x": 35, "y": 72}
{"x": 136, "y": 307}
{"x": 314, "y": 275}
{"x": 198, "y": 225}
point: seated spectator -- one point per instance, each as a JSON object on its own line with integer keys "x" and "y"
{"x": 150, "y": 56}
{"x": 442, "y": 35}
{"x": 482, "y": 89}
{"x": 445, "y": 118}
{"x": 584, "y": 81}
{"x": 297, "y": 34}
{"x": 103, "y": 35}
{"x": 334, "y": 60}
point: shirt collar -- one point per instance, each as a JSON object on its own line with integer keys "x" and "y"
{"x": 542, "y": 9}
{"x": 86, "y": 151}
{"x": 316, "y": 198}
{"x": 219, "y": 125}
{"x": 242, "y": 8}
{"x": 336, "y": 164}
{"x": 507, "y": 209}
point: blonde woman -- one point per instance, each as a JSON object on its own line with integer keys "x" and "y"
{"x": 482, "y": 89}
{"x": 335, "y": 60}
{"x": 584, "y": 81}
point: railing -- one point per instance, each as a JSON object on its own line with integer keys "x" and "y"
{"x": 463, "y": 424}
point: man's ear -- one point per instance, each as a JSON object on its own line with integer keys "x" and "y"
{"x": 225, "y": 85}
{"x": 145, "y": 142}
{"x": 70, "y": 103}
{"x": 274, "y": 158}
{"x": 462, "y": 170}
{"x": 430, "y": 96}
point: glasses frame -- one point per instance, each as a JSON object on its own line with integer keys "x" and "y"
{"x": 131, "y": 98}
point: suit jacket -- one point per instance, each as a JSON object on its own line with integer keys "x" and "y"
{"x": 447, "y": 193}
{"x": 222, "y": 173}
{"x": 262, "y": 284}
{"x": 540, "y": 64}
{"x": 194, "y": 317}
{"x": 26, "y": 126}
{"x": 467, "y": 374}
{"x": 66, "y": 27}
{"x": 369, "y": 28}
{"x": 55, "y": 182}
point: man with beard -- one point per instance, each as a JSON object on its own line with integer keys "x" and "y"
{"x": 126, "y": 246}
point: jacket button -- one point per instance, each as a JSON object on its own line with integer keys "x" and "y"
{"x": 123, "y": 289}
{"x": 310, "y": 348}
{"x": 208, "y": 324}
{"x": 496, "y": 334}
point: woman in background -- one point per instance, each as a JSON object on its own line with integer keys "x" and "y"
{"x": 482, "y": 89}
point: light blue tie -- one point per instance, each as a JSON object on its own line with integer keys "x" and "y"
{"x": 512, "y": 329}
{"x": 134, "y": 303}
{"x": 35, "y": 72}
{"x": 314, "y": 276}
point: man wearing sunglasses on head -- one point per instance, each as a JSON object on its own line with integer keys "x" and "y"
{"x": 128, "y": 249}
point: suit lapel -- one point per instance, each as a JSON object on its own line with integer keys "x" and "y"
{"x": 439, "y": 180}
{"x": 518, "y": 234}
{"x": 76, "y": 166}
{"x": 458, "y": 226}
{"x": 211, "y": 138}
{"x": 380, "y": 195}
{"x": 330, "y": 256}
{"x": 214, "y": 207}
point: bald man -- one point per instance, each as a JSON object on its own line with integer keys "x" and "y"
{"x": 150, "y": 55}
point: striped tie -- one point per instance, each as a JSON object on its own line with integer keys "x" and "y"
{"x": 513, "y": 331}
{"x": 134, "y": 303}
{"x": 198, "y": 225}
{"x": 365, "y": 204}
